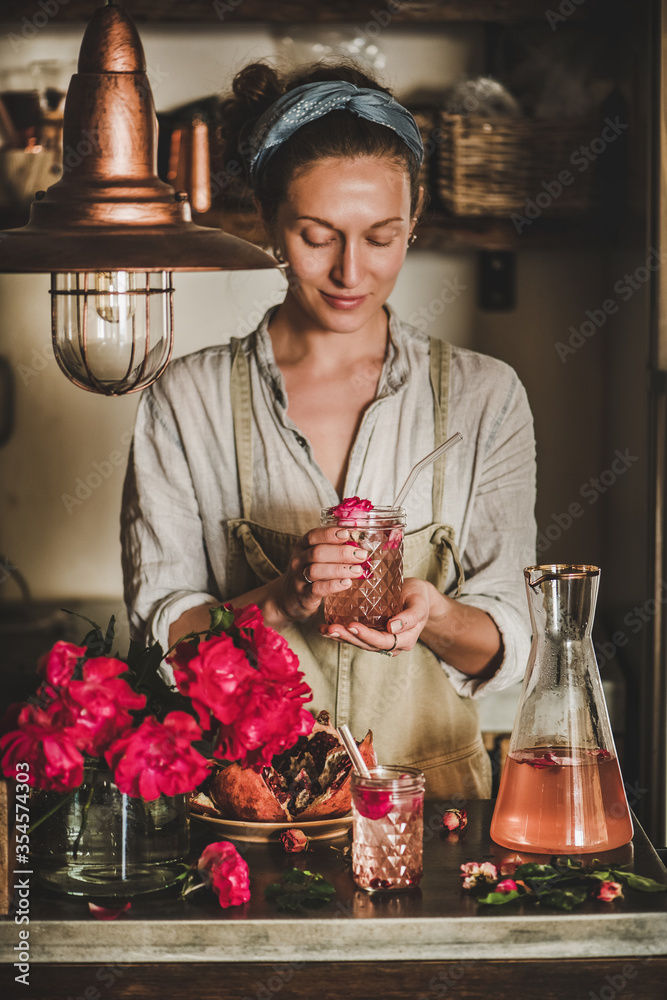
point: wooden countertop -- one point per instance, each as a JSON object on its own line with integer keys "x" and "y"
{"x": 438, "y": 921}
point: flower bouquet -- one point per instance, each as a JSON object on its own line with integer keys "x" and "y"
{"x": 110, "y": 750}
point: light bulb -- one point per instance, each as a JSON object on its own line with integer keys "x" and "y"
{"x": 112, "y": 330}
{"x": 115, "y": 301}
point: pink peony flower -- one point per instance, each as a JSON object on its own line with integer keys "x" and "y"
{"x": 609, "y": 891}
{"x": 248, "y": 617}
{"x": 455, "y": 819}
{"x": 157, "y": 758}
{"x": 98, "y": 707}
{"x": 212, "y": 676}
{"x": 254, "y": 695}
{"x": 507, "y": 885}
{"x": 472, "y": 873}
{"x": 349, "y": 507}
{"x": 53, "y": 759}
{"x": 57, "y": 666}
{"x": 294, "y": 841}
{"x": 227, "y": 873}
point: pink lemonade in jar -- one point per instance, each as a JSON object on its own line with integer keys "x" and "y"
{"x": 374, "y": 598}
{"x": 387, "y": 828}
{"x": 561, "y": 800}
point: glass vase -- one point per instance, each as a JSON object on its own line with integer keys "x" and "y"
{"x": 96, "y": 841}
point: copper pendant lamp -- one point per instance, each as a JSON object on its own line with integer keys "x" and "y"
{"x": 110, "y": 231}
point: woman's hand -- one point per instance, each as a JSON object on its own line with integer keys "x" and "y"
{"x": 403, "y": 630}
{"x": 323, "y": 562}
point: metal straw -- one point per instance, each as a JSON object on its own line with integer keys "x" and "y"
{"x": 353, "y": 750}
{"x": 425, "y": 462}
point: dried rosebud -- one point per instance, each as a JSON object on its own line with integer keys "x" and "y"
{"x": 455, "y": 819}
{"x": 507, "y": 885}
{"x": 472, "y": 873}
{"x": 294, "y": 841}
{"x": 609, "y": 891}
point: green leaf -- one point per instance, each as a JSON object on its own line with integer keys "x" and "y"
{"x": 499, "y": 898}
{"x": 640, "y": 882}
{"x": 563, "y": 899}
{"x": 298, "y": 889}
{"x": 602, "y": 874}
{"x": 221, "y": 619}
{"x": 563, "y": 861}
{"x": 108, "y": 638}
{"x": 535, "y": 871}
{"x": 295, "y": 875}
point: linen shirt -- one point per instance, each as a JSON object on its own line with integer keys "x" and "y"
{"x": 182, "y": 481}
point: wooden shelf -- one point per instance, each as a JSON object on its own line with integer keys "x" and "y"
{"x": 436, "y": 232}
{"x": 230, "y": 12}
{"x": 447, "y": 234}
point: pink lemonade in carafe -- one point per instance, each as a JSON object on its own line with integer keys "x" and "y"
{"x": 561, "y": 790}
{"x": 565, "y": 800}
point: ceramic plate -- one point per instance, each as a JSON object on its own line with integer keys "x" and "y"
{"x": 262, "y": 833}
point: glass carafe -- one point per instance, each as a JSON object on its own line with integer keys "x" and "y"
{"x": 561, "y": 790}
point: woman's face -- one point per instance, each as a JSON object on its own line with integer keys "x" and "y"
{"x": 344, "y": 229}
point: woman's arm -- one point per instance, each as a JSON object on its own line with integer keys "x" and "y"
{"x": 464, "y": 636}
{"x": 328, "y": 562}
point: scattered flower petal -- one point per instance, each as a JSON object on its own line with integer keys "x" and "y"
{"x": 509, "y": 865}
{"x": 107, "y": 913}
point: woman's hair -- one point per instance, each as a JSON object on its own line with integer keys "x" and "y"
{"x": 337, "y": 134}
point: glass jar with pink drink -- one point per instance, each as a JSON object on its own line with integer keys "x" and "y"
{"x": 375, "y": 597}
{"x": 387, "y": 828}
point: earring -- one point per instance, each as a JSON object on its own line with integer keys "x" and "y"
{"x": 413, "y": 237}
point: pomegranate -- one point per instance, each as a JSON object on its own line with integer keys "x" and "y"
{"x": 311, "y": 780}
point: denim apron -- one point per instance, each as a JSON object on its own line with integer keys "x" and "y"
{"x": 416, "y": 716}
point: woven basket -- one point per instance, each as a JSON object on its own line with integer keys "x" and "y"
{"x": 495, "y": 167}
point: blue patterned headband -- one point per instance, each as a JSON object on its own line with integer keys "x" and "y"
{"x": 312, "y": 100}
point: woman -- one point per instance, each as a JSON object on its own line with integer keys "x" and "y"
{"x": 238, "y": 447}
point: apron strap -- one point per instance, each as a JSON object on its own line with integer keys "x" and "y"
{"x": 241, "y": 396}
{"x": 441, "y": 353}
